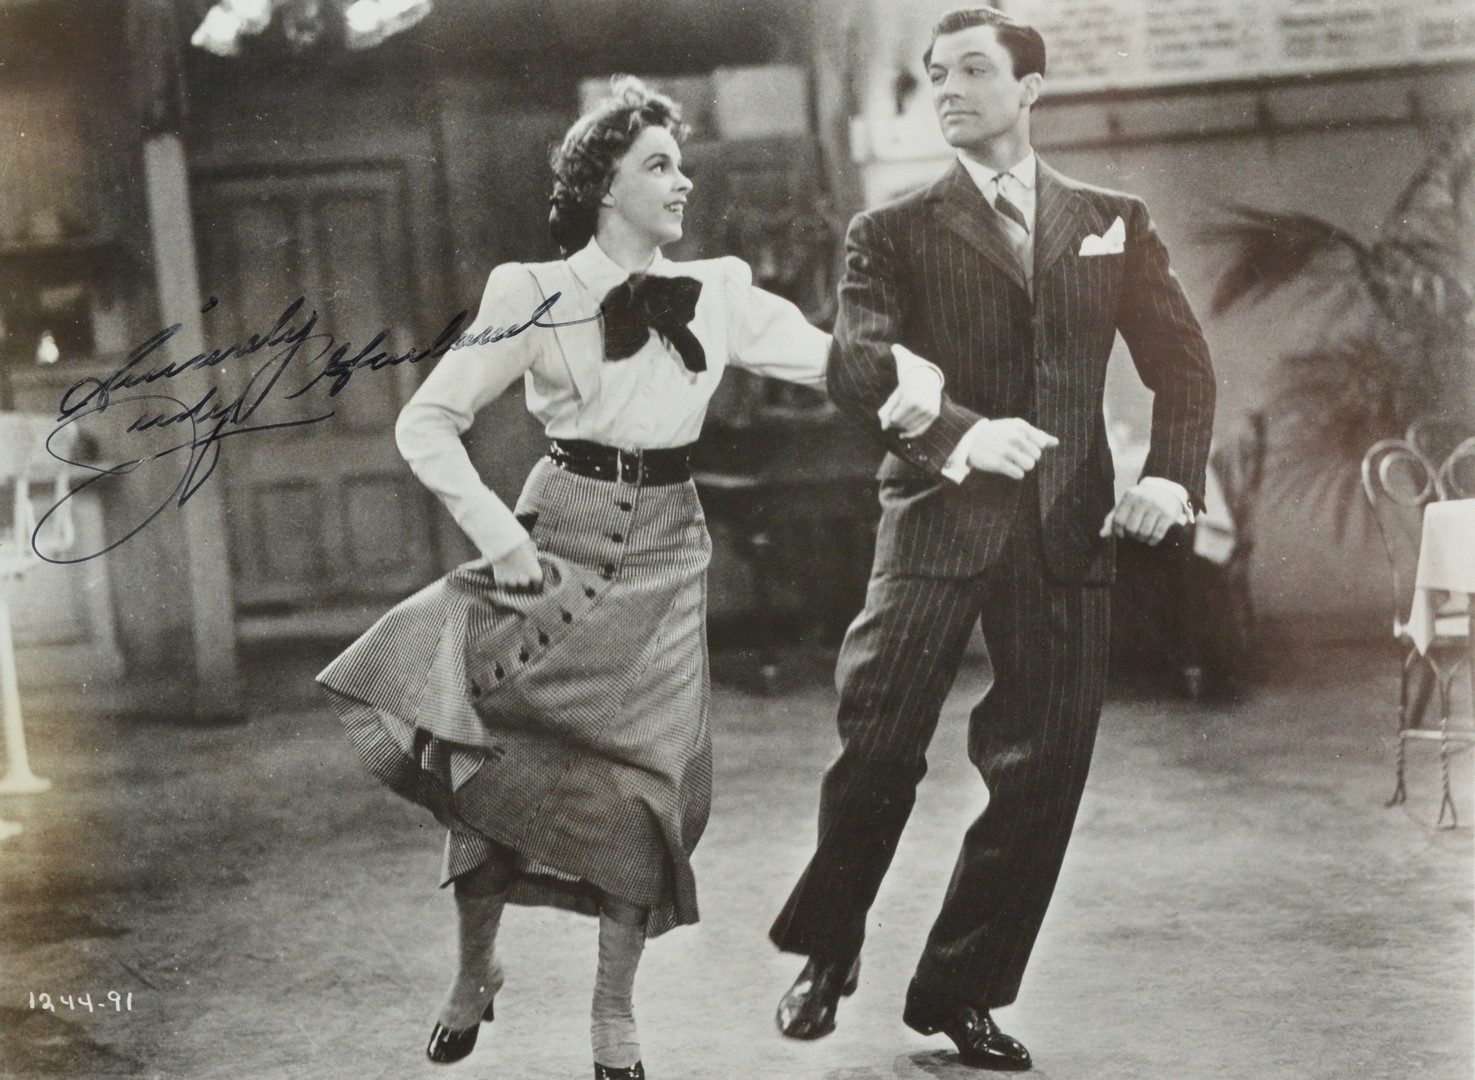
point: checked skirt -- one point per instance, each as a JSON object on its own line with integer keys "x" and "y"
{"x": 591, "y": 756}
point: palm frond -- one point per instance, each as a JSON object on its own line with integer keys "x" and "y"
{"x": 1271, "y": 250}
{"x": 1414, "y": 276}
{"x": 1343, "y": 395}
{"x": 1441, "y": 187}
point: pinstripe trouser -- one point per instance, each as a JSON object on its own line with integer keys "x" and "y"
{"x": 1030, "y": 738}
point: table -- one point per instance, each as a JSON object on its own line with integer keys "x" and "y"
{"x": 1446, "y": 567}
{"x": 1444, "y": 587}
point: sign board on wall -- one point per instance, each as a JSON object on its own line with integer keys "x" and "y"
{"x": 1110, "y": 44}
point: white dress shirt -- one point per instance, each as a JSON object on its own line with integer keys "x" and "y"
{"x": 647, "y": 401}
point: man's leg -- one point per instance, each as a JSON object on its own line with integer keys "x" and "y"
{"x": 896, "y": 666}
{"x": 1031, "y": 738}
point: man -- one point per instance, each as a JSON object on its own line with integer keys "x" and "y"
{"x": 1015, "y": 281}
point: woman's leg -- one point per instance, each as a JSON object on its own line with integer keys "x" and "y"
{"x": 480, "y": 895}
{"x": 621, "y": 941}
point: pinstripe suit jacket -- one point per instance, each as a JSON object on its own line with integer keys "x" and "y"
{"x": 936, "y": 272}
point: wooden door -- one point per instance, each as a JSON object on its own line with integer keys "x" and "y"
{"x": 327, "y": 525}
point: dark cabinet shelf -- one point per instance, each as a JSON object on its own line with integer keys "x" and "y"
{"x": 54, "y": 287}
{"x": 45, "y": 261}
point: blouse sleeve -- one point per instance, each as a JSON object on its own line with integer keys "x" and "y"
{"x": 429, "y": 429}
{"x": 769, "y": 335}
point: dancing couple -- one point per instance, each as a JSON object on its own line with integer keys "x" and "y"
{"x": 549, "y": 702}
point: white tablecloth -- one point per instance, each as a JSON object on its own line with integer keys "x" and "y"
{"x": 1446, "y": 566}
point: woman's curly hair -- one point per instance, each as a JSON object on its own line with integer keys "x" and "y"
{"x": 584, "y": 163}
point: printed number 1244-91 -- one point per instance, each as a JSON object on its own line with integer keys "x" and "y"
{"x": 119, "y": 1002}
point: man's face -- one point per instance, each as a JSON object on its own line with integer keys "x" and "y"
{"x": 974, "y": 90}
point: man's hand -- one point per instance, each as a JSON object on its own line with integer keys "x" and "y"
{"x": 915, "y": 403}
{"x": 519, "y": 568}
{"x": 1010, "y": 447}
{"x": 1145, "y": 512}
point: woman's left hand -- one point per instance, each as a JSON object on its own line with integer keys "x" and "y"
{"x": 915, "y": 402}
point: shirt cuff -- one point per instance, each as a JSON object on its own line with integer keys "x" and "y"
{"x": 930, "y": 367}
{"x": 908, "y": 361}
{"x": 490, "y": 525}
{"x": 1177, "y": 490}
{"x": 957, "y": 468}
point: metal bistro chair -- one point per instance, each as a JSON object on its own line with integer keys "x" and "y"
{"x": 1457, "y": 475}
{"x": 24, "y": 459}
{"x": 1399, "y": 481}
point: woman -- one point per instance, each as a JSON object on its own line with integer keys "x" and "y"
{"x": 550, "y": 702}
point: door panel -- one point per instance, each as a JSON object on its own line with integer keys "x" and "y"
{"x": 325, "y": 515}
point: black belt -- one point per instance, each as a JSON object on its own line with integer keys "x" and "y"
{"x": 599, "y": 462}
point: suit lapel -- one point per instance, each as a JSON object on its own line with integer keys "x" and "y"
{"x": 1060, "y": 214}
{"x": 961, "y": 207}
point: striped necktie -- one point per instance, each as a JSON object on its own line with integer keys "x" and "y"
{"x": 1019, "y": 240}
{"x": 1007, "y": 208}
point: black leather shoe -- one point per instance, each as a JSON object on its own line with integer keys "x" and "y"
{"x": 807, "y": 1011}
{"x": 448, "y": 1045}
{"x": 605, "y": 1072}
{"x": 980, "y": 1043}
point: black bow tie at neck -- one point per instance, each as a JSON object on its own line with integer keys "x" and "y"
{"x": 644, "y": 303}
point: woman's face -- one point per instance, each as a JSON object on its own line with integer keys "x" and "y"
{"x": 648, "y": 191}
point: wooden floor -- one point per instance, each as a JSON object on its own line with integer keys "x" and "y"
{"x": 1237, "y": 902}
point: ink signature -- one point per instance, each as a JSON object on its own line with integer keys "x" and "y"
{"x": 178, "y": 440}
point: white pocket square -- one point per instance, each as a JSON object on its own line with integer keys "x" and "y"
{"x": 1112, "y": 242}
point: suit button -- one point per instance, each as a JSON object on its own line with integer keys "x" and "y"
{"x": 568, "y": 616}
{"x": 589, "y": 591}
{"x": 475, "y": 688}
{"x": 618, "y": 538}
{"x": 542, "y": 638}
{"x": 609, "y": 570}
{"x": 522, "y": 654}
{"x": 498, "y": 672}
{"x": 625, "y": 506}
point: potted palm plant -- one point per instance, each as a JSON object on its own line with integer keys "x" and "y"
{"x": 1397, "y": 337}
{"x": 1386, "y": 344}
{"x": 1395, "y": 317}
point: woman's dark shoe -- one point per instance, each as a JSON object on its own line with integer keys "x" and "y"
{"x": 449, "y": 1045}
{"x": 605, "y": 1072}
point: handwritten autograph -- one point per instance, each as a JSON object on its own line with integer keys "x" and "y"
{"x": 191, "y": 433}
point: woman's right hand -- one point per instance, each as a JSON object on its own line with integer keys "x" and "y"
{"x": 519, "y": 568}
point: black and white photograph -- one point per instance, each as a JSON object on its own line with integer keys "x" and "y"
{"x": 718, "y": 539}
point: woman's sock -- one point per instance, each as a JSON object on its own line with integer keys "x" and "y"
{"x": 478, "y": 974}
{"x": 612, "y": 1031}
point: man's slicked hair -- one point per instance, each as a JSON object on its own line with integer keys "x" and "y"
{"x": 1025, "y": 45}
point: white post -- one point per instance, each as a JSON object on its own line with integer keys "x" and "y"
{"x": 18, "y": 778}
{"x": 207, "y": 548}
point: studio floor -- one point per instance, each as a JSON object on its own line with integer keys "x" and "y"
{"x": 1237, "y": 901}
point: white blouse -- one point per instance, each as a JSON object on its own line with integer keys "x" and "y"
{"x": 646, "y": 401}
